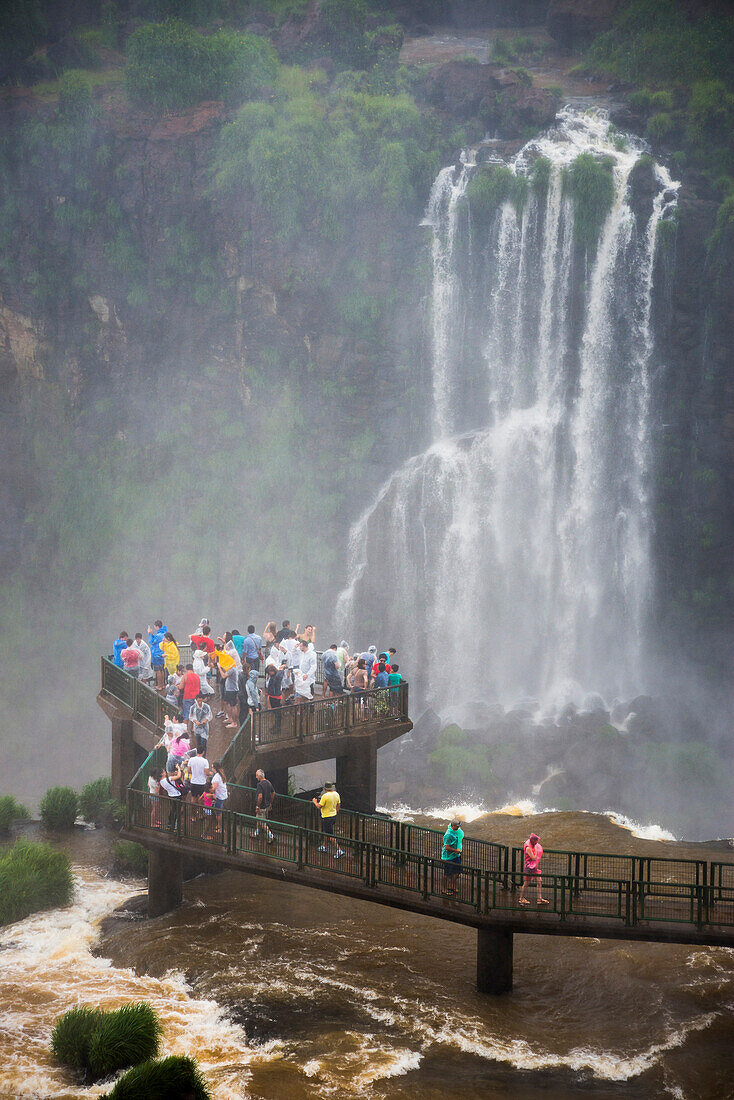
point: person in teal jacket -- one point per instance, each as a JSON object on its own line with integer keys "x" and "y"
{"x": 453, "y": 840}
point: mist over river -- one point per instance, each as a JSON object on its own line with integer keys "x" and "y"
{"x": 283, "y": 992}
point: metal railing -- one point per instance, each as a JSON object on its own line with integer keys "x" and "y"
{"x": 142, "y": 700}
{"x": 377, "y": 864}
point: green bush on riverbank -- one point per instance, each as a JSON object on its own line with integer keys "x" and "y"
{"x": 103, "y": 1042}
{"x": 59, "y": 807}
{"x": 33, "y": 877}
{"x": 168, "y": 1079}
{"x": 11, "y": 810}
{"x": 97, "y": 804}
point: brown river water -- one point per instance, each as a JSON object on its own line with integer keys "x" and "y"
{"x": 284, "y": 992}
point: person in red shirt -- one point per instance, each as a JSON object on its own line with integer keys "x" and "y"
{"x": 191, "y": 687}
{"x": 203, "y": 639}
{"x": 131, "y": 659}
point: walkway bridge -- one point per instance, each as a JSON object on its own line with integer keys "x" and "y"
{"x": 398, "y": 864}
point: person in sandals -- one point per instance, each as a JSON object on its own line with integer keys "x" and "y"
{"x": 531, "y": 870}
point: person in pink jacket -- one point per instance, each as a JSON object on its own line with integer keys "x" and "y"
{"x": 533, "y": 852}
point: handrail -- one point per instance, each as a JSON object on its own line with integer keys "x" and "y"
{"x": 378, "y": 865}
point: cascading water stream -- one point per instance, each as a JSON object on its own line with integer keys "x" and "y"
{"x": 523, "y": 544}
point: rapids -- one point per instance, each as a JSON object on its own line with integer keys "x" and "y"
{"x": 286, "y": 992}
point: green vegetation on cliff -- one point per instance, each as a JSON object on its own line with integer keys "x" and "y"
{"x": 590, "y": 183}
{"x": 170, "y": 65}
{"x": 490, "y": 188}
{"x": 682, "y": 58}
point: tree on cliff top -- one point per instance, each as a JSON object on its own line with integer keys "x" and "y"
{"x": 172, "y": 66}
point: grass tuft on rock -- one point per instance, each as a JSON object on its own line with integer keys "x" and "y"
{"x": 33, "y": 877}
{"x": 129, "y": 857}
{"x": 97, "y": 804}
{"x": 11, "y": 810}
{"x": 59, "y": 807}
{"x": 101, "y": 1043}
{"x": 127, "y": 1037}
{"x": 487, "y": 191}
{"x": 590, "y": 183}
{"x": 168, "y": 1079}
{"x": 72, "y": 1035}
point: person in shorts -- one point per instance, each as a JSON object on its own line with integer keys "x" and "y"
{"x": 329, "y": 806}
{"x": 264, "y": 803}
{"x": 532, "y": 851}
{"x": 199, "y": 766}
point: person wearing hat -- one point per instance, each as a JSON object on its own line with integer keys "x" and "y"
{"x": 329, "y": 805}
{"x": 453, "y": 840}
{"x": 533, "y": 851}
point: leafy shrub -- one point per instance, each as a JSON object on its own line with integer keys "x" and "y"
{"x": 661, "y": 101}
{"x": 657, "y": 41}
{"x": 75, "y": 95}
{"x": 488, "y": 190}
{"x": 72, "y": 1035}
{"x": 127, "y": 856}
{"x": 59, "y": 807}
{"x": 10, "y": 811}
{"x": 167, "y": 1079}
{"x": 171, "y": 65}
{"x": 316, "y": 166}
{"x": 589, "y": 182}
{"x": 124, "y": 1038}
{"x": 641, "y": 100}
{"x": 33, "y": 877}
{"x": 659, "y": 126}
{"x": 540, "y": 176}
{"x": 102, "y": 1042}
{"x": 98, "y": 805}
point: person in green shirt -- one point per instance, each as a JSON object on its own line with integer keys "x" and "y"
{"x": 329, "y": 805}
{"x": 453, "y": 840}
{"x": 394, "y": 678}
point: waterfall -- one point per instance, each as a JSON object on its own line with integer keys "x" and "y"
{"x": 519, "y": 544}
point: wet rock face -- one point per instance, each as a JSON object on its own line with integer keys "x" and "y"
{"x": 573, "y": 23}
{"x": 499, "y": 97}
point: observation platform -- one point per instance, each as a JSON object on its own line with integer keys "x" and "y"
{"x": 347, "y": 728}
{"x": 396, "y": 863}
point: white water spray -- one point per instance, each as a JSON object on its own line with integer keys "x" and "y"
{"x": 523, "y": 546}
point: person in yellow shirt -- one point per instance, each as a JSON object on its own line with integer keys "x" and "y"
{"x": 227, "y": 684}
{"x": 170, "y": 653}
{"x": 329, "y": 806}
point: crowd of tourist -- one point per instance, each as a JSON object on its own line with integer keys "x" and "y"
{"x": 233, "y": 661}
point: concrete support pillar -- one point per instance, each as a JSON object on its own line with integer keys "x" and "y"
{"x": 494, "y": 960}
{"x": 123, "y": 756}
{"x": 356, "y": 778}
{"x": 165, "y": 881}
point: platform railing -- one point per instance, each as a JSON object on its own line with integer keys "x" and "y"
{"x": 142, "y": 700}
{"x": 567, "y": 897}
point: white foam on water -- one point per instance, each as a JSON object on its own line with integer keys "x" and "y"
{"x": 605, "y": 1065}
{"x": 643, "y": 832}
{"x": 48, "y": 967}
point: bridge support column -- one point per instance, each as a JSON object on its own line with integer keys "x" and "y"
{"x": 123, "y": 756}
{"x": 356, "y": 778}
{"x": 494, "y": 960}
{"x": 165, "y": 882}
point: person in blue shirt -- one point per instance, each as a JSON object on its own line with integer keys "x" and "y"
{"x": 252, "y": 649}
{"x": 238, "y": 641}
{"x": 156, "y": 634}
{"x": 381, "y": 677}
{"x": 118, "y": 645}
{"x": 453, "y": 840}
